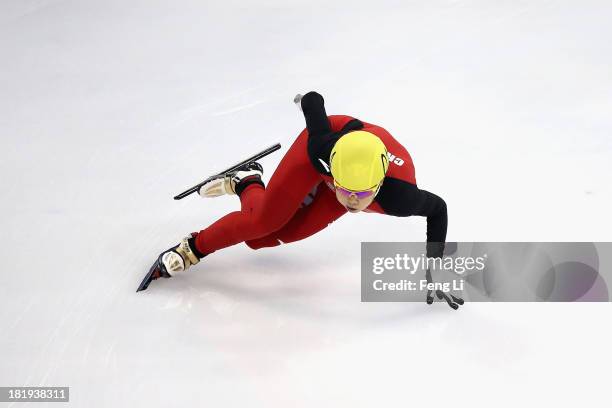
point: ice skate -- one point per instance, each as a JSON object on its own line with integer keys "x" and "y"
{"x": 172, "y": 261}
{"x": 229, "y": 183}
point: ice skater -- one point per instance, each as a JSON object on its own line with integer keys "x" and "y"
{"x": 338, "y": 164}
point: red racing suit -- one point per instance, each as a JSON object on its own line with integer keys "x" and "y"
{"x": 300, "y": 199}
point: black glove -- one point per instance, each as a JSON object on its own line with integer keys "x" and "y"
{"x": 451, "y": 300}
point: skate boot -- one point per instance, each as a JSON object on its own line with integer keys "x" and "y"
{"x": 173, "y": 261}
{"x": 234, "y": 182}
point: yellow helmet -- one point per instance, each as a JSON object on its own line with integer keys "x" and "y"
{"x": 359, "y": 161}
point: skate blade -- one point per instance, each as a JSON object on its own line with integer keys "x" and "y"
{"x": 148, "y": 277}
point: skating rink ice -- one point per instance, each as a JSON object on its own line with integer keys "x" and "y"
{"x": 110, "y": 108}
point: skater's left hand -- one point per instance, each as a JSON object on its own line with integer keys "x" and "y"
{"x": 453, "y": 301}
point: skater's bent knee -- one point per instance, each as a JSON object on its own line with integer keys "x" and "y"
{"x": 265, "y": 242}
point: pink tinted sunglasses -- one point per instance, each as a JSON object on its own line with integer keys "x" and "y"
{"x": 359, "y": 194}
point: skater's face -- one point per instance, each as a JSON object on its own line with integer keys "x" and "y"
{"x": 355, "y": 201}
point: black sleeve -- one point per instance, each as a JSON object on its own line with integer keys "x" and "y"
{"x": 403, "y": 199}
{"x": 313, "y": 106}
{"x": 321, "y": 138}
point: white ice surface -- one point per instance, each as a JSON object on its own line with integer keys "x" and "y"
{"x": 109, "y": 108}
